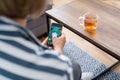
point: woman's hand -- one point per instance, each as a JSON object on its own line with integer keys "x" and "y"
{"x": 44, "y": 43}
{"x": 59, "y": 43}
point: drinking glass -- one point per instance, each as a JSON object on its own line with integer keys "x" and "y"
{"x": 89, "y": 21}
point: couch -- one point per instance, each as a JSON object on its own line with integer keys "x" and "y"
{"x": 39, "y": 25}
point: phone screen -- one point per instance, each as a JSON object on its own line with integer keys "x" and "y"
{"x": 56, "y": 29}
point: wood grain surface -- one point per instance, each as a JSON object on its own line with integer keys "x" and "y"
{"x": 107, "y": 35}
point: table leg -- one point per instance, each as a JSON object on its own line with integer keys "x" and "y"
{"x": 106, "y": 70}
{"x": 48, "y": 22}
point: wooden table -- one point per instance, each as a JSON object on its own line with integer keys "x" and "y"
{"x": 107, "y": 35}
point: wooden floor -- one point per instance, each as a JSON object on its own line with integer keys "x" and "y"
{"x": 86, "y": 46}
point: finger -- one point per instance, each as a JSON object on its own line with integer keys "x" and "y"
{"x": 62, "y": 35}
{"x": 54, "y": 35}
{"x": 54, "y": 38}
{"x": 45, "y": 41}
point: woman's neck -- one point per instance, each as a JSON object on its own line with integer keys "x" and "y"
{"x": 22, "y": 22}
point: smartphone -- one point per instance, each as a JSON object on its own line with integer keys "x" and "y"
{"x": 56, "y": 29}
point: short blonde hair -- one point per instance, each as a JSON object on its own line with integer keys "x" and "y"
{"x": 20, "y": 8}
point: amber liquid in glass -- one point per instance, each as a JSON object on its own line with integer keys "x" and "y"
{"x": 90, "y": 23}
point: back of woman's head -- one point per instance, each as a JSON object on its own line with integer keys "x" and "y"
{"x": 20, "y": 8}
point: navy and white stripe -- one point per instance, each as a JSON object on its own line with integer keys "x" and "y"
{"x": 23, "y": 59}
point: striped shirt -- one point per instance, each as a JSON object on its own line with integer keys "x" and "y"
{"x": 22, "y": 57}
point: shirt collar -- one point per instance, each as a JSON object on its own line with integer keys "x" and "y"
{"x": 8, "y": 20}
